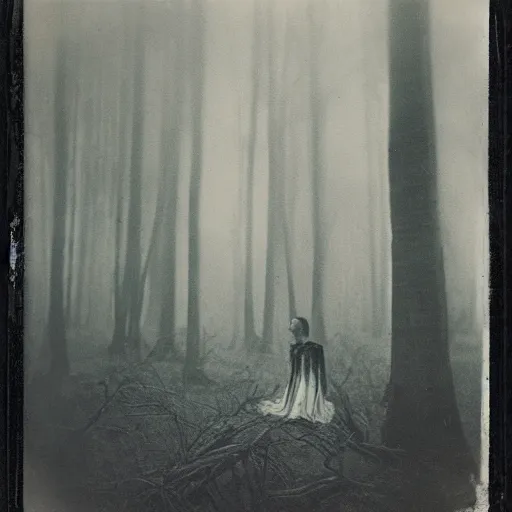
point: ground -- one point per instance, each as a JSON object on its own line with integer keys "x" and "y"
{"x": 132, "y": 437}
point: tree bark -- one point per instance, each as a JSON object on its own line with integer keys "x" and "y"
{"x": 422, "y": 415}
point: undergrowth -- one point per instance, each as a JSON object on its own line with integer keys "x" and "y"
{"x": 134, "y": 438}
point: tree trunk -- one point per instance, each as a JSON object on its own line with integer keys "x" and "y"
{"x": 287, "y": 179}
{"x": 422, "y": 416}
{"x": 196, "y": 77}
{"x": 133, "y": 256}
{"x": 250, "y": 337}
{"x": 237, "y": 242}
{"x": 316, "y": 108}
{"x": 118, "y": 344}
{"x": 273, "y": 196}
{"x": 171, "y": 162}
{"x": 59, "y": 365}
{"x": 70, "y": 274}
{"x": 292, "y": 307}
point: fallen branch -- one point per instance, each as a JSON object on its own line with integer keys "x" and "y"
{"x": 304, "y": 490}
{"x": 108, "y": 400}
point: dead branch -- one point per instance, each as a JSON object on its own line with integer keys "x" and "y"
{"x": 108, "y": 400}
{"x": 304, "y": 490}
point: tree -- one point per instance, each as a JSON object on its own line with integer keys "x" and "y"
{"x": 237, "y": 243}
{"x": 59, "y": 365}
{"x": 133, "y": 250}
{"x": 170, "y": 162}
{"x": 118, "y": 343}
{"x": 287, "y": 229}
{"x": 196, "y": 74}
{"x": 250, "y": 337}
{"x": 273, "y": 193}
{"x": 72, "y": 207}
{"x": 422, "y": 416}
{"x": 316, "y": 162}
{"x": 287, "y": 177}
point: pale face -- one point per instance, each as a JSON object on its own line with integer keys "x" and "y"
{"x": 295, "y": 327}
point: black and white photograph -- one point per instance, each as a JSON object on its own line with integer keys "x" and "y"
{"x": 256, "y": 253}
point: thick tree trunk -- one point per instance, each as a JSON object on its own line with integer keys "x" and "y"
{"x": 316, "y": 111}
{"x": 59, "y": 365}
{"x": 196, "y": 76}
{"x": 422, "y": 416}
{"x": 250, "y": 337}
{"x": 273, "y": 197}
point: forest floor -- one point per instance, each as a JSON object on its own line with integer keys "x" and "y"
{"x": 133, "y": 438}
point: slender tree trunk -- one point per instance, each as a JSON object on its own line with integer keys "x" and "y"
{"x": 287, "y": 181}
{"x": 86, "y": 217}
{"x": 273, "y": 195}
{"x": 292, "y": 307}
{"x": 133, "y": 259}
{"x": 95, "y": 187}
{"x": 237, "y": 241}
{"x": 71, "y": 269}
{"x": 196, "y": 76}
{"x": 83, "y": 206}
{"x": 171, "y": 162}
{"x": 422, "y": 416}
{"x": 250, "y": 337}
{"x": 118, "y": 343}
{"x": 59, "y": 365}
{"x": 316, "y": 107}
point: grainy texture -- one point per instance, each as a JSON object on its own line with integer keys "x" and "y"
{"x": 11, "y": 247}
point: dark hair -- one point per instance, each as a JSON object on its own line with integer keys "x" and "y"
{"x": 304, "y": 324}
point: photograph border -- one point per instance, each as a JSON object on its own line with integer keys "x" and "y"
{"x": 500, "y": 201}
{"x": 11, "y": 246}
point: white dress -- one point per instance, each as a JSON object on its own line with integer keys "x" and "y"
{"x": 304, "y": 396}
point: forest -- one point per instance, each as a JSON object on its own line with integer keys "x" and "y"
{"x": 200, "y": 172}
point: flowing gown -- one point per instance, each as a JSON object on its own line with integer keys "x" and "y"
{"x": 304, "y": 396}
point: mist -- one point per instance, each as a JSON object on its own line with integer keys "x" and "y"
{"x": 169, "y": 143}
{"x": 95, "y": 30}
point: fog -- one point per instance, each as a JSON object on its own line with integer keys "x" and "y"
{"x": 198, "y": 172}
{"x": 353, "y": 80}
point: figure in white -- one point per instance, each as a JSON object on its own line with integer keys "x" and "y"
{"x": 305, "y": 394}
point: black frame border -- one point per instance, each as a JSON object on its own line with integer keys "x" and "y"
{"x": 500, "y": 202}
{"x": 11, "y": 270}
